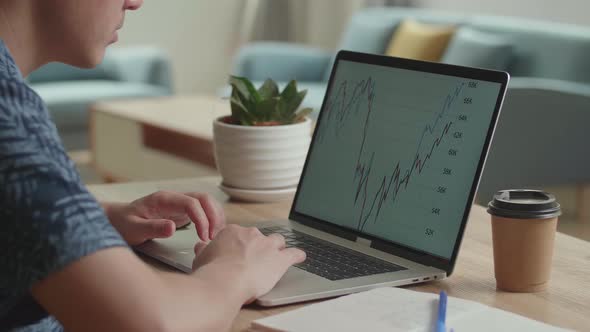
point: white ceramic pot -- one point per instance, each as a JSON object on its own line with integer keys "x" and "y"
{"x": 266, "y": 157}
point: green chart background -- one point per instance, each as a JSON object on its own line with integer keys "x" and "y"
{"x": 404, "y": 103}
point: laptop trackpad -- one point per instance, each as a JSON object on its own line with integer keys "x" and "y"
{"x": 296, "y": 280}
{"x": 177, "y": 251}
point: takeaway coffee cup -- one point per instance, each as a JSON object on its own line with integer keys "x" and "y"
{"x": 523, "y": 231}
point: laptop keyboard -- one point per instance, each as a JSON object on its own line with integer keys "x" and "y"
{"x": 330, "y": 260}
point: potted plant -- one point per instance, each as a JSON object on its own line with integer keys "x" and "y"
{"x": 262, "y": 145}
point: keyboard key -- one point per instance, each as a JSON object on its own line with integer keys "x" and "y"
{"x": 330, "y": 260}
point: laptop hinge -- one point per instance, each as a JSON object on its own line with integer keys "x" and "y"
{"x": 418, "y": 257}
{"x": 364, "y": 242}
{"x": 348, "y": 235}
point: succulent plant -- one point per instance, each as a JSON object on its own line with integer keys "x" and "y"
{"x": 265, "y": 106}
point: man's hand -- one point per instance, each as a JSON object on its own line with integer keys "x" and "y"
{"x": 255, "y": 262}
{"x": 159, "y": 214}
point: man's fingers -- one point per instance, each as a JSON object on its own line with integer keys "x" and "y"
{"x": 199, "y": 247}
{"x": 278, "y": 240}
{"x": 195, "y": 211}
{"x": 213, "y": 210}
{"x": 294, "y": 255}
{"x": 158, "y": 228}
{"x": 182, "y": 223}
{"x": 179, "y": 203}
{"x": 288, "y": 257}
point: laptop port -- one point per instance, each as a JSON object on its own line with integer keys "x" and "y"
{"x": 415, "y": 280}
{"x": 427, "y": 278}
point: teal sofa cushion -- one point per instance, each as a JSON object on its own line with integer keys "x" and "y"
{"x": 473, "y": 48}
{"x": 542, "y": 49}
{"x": 56, "y": 71}
{"x": 362, "y": 35}
{"x": 305, "y": 63}
{"x": 67, "y": 101}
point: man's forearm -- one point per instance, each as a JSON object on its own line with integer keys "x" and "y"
{"x": 112, "y": 290}
{"x": 212, "y": 293}
{"x": 111, "y": 208}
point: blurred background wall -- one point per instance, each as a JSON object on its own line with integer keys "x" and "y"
{"x": 197, "y": 34}
{"x": 567, "y": 11}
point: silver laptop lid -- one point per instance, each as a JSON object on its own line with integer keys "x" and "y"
{"x": 397, "y": 154}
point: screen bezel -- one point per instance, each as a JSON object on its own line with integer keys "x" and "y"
{"x": 421, "y": 257}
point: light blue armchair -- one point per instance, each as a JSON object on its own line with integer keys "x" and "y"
{"x": 124, "y": 73}
{"x": 542, "y": 132}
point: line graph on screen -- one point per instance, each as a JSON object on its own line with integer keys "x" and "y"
{"x": 377, "y": 187}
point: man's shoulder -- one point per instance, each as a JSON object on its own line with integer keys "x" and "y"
{"x": 18, "y": 100}
{"x": 7, "y": 78}
{"x": 26, "y": 130}
{"x": 17, "y": 89}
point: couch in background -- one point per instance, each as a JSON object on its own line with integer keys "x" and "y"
{"x": 124, "y": 73}
{"x": 542, "y": 132}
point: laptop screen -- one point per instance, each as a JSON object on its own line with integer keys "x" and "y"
{"x": 396, "y": 152}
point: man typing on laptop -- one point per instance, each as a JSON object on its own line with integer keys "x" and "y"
{"x": 389, "y": 179}
{"x": 66, "y": 264}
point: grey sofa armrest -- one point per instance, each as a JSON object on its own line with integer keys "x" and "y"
{"x": 281, "y": 62}
{"x": 147, "y": 65}
{"x": 541, "y": 138}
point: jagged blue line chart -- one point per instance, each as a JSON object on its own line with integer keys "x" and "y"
{"x": 396, "y": 152}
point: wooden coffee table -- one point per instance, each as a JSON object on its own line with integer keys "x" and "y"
{"x": 154, "y": 138}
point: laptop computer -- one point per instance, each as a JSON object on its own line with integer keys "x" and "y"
{"x": 389, "y": 179}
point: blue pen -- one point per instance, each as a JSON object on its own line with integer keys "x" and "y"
{"x": 442, "y": 313}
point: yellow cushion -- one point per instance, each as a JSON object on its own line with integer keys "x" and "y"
{"x": 420, "y": 41}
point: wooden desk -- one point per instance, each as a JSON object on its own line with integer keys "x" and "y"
{"x": 566, "y": 303}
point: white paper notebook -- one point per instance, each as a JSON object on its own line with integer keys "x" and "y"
{"x": 396, "y": 309}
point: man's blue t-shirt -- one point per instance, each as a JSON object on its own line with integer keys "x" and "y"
{"x": 47, "y": 217}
